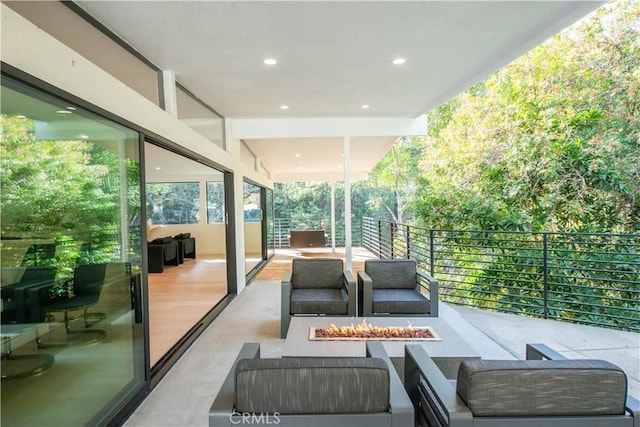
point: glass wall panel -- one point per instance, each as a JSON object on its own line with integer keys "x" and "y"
{"x": 200, "y": 118}
{"x": 252, "y": 225}
{"x": 186, "y": 237}
{"x": 70, "y": 261}
{"x": 215, "y": 202}
{"x": 173, "y": 203}
{"x": 270, "y": 223}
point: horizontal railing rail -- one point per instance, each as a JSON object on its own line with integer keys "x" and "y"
{"x": 588, "y": 278}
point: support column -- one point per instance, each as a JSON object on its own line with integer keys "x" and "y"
{"x": 169, "y": 92}
{"x": 347, "y": 203}
{"x": 333, "y": 216}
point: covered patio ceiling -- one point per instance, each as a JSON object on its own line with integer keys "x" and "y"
{"x": 334, "y": 60}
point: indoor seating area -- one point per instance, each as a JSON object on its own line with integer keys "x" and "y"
{"x": 170, "y": 251}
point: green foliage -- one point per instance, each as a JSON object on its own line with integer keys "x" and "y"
{"x": 387, "y": 193}
{"x": 551, "y": 142}
{"x": 304, "y": 200}
{"x": 313, "y": 200}
{"x": 393, "y": 181}
{"x": 173, "y": 202}
{"x": 49, "y": 186}
{"x": 65, "y": 193}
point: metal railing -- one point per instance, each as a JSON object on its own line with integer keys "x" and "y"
{"x": 283, "y": 226}
{"x": 589, "y": 278}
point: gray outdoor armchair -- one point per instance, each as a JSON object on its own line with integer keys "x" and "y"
{"x": 343, "y": 391}
{"x": 316, "y": 286}
{"x": 556, "y": 392}
{"x": 393, "y": 287}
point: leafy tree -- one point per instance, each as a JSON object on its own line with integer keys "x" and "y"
{"x": 173, "y": 203}
{"x": 65, "y": 192}
{"x": 50, "y": 187}
{"x": 392, "y": 182}
{"x": 550, "y": 142}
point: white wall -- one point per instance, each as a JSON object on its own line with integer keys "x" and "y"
{"x": 210, "y": 238}
{"x": 253, "y": 237}
{"x": 30, "y": 49}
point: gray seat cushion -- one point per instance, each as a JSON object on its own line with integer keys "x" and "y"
{"x": 542, "y": 387}
{"x": 317, "y": 273}
{"x": 319, "y": 301}
{"x": 312, "y": 386}
{"x": 406, "y": 301}
{"x": 392, "y": 273}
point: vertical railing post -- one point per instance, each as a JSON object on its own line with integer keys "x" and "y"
{"x": 392, "y": 239}
{"x": 379, "y": 239}
{"x": 432, "y": 256}
{"x": 364, "y": 227}
{"x": 545, "y": 276}
{"x": 408, "y": 241}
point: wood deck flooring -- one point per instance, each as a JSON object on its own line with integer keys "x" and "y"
{"x": 181, "y": 295}
{"x": 281, "y": 261}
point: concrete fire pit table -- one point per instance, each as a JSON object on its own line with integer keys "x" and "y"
{"x": 448, "y": 350}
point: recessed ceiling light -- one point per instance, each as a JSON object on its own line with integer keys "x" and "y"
{"x": 63, "y": 112}
{"x": 270, "y": 61}
{"x": 399, "y": 61}
{"x": 157, "y": 168}
{"x": 365, "y": 106}
{"x": 297, "y": 154}
{"x": 284, "y": 107}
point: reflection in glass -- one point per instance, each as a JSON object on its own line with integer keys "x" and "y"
{"x": 186, "y": 252}
{"x": 70, "y": 262}
{"x": 215, "y": 202}
{"x": 173, "y": 203}
{"x": 252, "y": 225}
{"x": 270, "y": 223}
{"x": 200, "y": 118}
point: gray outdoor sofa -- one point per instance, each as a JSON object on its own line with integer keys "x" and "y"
{"x": 316, "y": 287}
{"x": 557, "y": 392}
{"x": 310, "y": 392}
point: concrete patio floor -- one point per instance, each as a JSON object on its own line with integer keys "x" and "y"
{"x": 184, "y": 395}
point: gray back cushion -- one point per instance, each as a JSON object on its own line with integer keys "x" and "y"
{"x": 542, "y": 387}
{"x": 316, "y": 273}
{"x": 312, "y": 386}
{"x": 393, "y": 273}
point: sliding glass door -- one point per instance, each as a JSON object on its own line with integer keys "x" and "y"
{"x": 186, "y": 239}
{"x": 269, "y": 222}
{"x": 253, "y": 226}
{"x": 71, "y": 258}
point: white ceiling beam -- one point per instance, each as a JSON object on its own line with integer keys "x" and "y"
{"x": 327, "y": 127}
{"x": 317, "y": 176}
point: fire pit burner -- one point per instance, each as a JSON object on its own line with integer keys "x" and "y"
{"x": 367, "y": 331}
